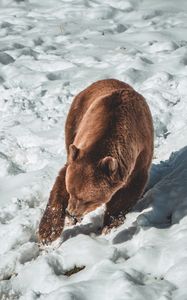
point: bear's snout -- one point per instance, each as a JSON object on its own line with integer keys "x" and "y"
{"x": 74, "y": 208}
{"x": 69, "y": 214}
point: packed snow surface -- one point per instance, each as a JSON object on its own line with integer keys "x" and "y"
{"x": 49, "y": 51}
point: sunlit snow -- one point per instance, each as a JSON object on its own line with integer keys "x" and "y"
{"x": 49, "y": 51}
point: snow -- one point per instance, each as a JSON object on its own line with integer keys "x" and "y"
{"x": 49, "y": 51}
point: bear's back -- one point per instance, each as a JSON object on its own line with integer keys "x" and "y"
{"x": 107, "y": 108}
{"x": 84, "y": 99}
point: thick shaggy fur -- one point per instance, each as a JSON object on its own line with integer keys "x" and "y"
{"x": 109, "y": 141}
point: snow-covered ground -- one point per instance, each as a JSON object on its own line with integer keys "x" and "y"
{"x": 50, "y": 50}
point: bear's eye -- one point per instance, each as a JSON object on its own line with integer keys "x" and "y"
{"x": 79, "y": 199}
{"x": 88, "y": 201}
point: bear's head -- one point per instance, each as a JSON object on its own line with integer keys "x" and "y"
{"x": 90, "y": 182}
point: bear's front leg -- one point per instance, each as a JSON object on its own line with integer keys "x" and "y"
{"x": 52, "y": 222}
{"x": 124, "y": 200}
{"x": 114, "y": 215}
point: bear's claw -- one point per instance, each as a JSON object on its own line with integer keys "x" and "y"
{"x": 113, "y": 224}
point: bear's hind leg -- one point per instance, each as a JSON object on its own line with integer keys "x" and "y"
{"x": 124, "y": 200}
{"x": 52, "y": 222}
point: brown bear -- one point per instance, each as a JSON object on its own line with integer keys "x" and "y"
{"x": 109, "y": 141}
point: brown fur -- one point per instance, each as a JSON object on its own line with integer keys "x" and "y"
{"x": 109, "y": 141}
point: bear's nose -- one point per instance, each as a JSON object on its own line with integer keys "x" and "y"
{"x": 69, "y": 215}
{"x": 67, "y": 212}
{"x": 72, "y": 217}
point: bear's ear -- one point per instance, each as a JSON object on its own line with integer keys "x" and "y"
{"x": 73, "y": 152}
{"x": 109, "y": 165}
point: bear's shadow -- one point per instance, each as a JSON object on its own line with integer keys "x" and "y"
{"x": 165, "y": 195}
